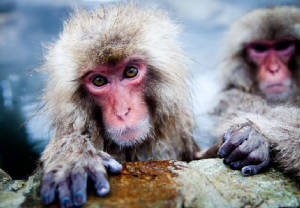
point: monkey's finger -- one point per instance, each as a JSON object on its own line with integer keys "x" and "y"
{"x": 101, "y": 183}
{"x": 256, "y": 157}
{"x": 110, "y": 163}
{"x": 48, "y": 188}
{"x": 237, "y": 165}
{"x": 242, "y": 151}
{"x": 79, "y": 184}
{"x": 255, "y": 169}
{"x": 64, "y": 193}
{"x": 233, "y": 139}
{"x": 263, "y": 155}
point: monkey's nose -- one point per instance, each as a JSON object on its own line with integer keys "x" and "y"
{"x": 273, "y": 68}
{"x": 123, "y": 114}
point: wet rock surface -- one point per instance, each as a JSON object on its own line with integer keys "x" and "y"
{"x": 205, "y": 183}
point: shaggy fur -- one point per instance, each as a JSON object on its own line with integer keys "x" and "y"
{"x": 104, "y": 36}
{"x": 241, "y": 101}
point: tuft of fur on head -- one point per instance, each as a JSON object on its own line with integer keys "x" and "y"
{"x": 103, "y": 36}
{"x": 261, "y": 24}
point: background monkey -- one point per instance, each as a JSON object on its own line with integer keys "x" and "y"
{"x": 260, "y": 100}
{"x": 116, "y": 87}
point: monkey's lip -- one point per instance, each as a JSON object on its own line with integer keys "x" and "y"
{"x": 129, "y": 133}
{"x": 276, "y": 88}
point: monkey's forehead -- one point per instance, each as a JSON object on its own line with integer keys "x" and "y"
{"x": 111, "y": 33}
{"x": 265, "y": 24}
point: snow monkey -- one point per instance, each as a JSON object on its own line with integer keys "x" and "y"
{"x": 117, "y": 91}
{"x": 259, "y": 107}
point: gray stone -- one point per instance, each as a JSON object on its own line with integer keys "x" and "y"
{"x": 4, "y": 177}
{"x": 204, "y": 183}
{"x": 209, "y": 183}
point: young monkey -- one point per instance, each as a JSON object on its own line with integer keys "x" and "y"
{"x": 116, "y": 88}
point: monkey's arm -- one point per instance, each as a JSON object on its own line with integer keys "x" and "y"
{"x": 66, "y": 164}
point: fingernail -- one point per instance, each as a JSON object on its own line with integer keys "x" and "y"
{"x": 116, "y": 167}
{"x": 248, "y": 171}
{"x": 45, "y": 199}
{"x": 235, "y": 165}
{"x": 66, "y": 203}
{"x": 102, "y": 191}
{"x": 79, "y": 199}
{"x": 220, "y": 154}
{"x": 226, "y": 161}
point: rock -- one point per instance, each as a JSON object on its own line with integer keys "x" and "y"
{"x": 15, "y": 193}
{"x": 209, "y": 183}
{"x": 4, "y": 177}
{"x": 204, "y": 183}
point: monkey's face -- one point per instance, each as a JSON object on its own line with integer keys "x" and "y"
{"x": 272, "y": 59}
{"x": 118, "y": 90}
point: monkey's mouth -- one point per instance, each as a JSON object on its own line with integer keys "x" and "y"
{"x": 129, "y": 136}
{"x": 276, "y": 88}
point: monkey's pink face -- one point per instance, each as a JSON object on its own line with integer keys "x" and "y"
{"x": 118, "y": 90}
{"x": 272, "y": 59}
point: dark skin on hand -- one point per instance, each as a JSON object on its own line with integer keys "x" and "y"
{"x": 72, "y": 190}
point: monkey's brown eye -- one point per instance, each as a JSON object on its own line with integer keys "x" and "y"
{"x": 130, "y": 72}
{"x": 259, "y": 48}
{"x": 99, "y": 81}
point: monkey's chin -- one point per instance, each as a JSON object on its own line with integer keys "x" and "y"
{"x": 130, "y": 136}
{"x": 278, "y": 97}
{"x": 276, "y": 92}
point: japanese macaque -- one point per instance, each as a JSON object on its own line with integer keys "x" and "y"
{"x": 117, "y": 91}
{"x": 259, "y": 107}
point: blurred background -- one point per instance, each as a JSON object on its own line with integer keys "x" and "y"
{"x": 27, "y": 26}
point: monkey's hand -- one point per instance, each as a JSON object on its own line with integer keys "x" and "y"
{"x": 245, "y": 149}
{"x": 67, "y": 174}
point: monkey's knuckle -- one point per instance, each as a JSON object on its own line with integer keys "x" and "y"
{"x": 104, "y": 156}
{"x": 242, "y": 150}
{"x": 231, "y": 142}
{"x": 256, "y": 157}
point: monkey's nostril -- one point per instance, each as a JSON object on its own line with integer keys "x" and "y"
{"x": 121, "y": 115}
{"x": 274, "y": 68}
{"x": 127, "y": 112}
